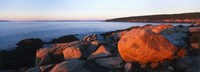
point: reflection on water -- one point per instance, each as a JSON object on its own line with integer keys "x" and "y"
{"x": 12, "y": 32}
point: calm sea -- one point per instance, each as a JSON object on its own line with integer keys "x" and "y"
{"x": 13, "y": 32}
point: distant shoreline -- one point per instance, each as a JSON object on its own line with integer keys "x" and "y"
{"x": 163, "y": 18}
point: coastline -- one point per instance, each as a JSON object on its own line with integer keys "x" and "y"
{"x": 36, "y": 48}
{"x": 162, "y": 18}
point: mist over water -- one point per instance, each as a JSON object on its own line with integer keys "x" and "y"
{"x": 13, "y": 32}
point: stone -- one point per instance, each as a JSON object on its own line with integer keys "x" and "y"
{"x": 184, "y": 63}
{"x": 46, "y": 68}
{"x": 164, "y": 63}
{"x": 143, "y": 46}
{"x": 159, "y": 28}
{"x": 128, "y": 67}
{"x": 182, "y": 52}
{"x": 32, "y": 42}
{"x": 71, "y": 52}
{"x": 195, "y": 45}
{"x": 154, "y": 65}
{"x": 22, "y": 69}
{"x": 112, "y": 46}
{"x": 22, "y": 56}
{"x": 70, "y": 65}
{"x": 177, "y": 35}
{"x": 93, "y": 67}
{"x": 92, "y": 37}
{"x": 64, "y": 39}
{"x": 196, "y": 66}
{"x": 8, "y": 71}
{"x": 43, "y": 57}
{"x": 52, "y": 55}
{"x": 35, "y": 69}
{"x": 102, "y": 51}
{"x": 110, "y": 62}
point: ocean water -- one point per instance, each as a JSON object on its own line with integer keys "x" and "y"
{"x": 13, "y": 32}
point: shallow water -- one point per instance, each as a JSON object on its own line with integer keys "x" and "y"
{"x": 13, "y": 32}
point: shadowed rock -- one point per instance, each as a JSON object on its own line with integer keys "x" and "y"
{"x": 102, "y": 51}
{"x": 64, "y": 39}
{"x": 110, "y": 62}
{"x": 69, "y": 66}
{"x": 23, "y": 55}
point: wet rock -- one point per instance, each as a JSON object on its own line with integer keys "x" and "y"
{"x": 102, "y": 51}
{"x": 69, "y": 66}
{"x": 110, "y": 62}
{"x": 185, "y": 63}
{"x": 53, "y": 54}
{"x": 64, "y": 39}
{"x": 72, "y": 52}
{"x": 143, "y": 46}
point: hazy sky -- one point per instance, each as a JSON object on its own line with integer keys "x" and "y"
{"x": 91, "y": 9}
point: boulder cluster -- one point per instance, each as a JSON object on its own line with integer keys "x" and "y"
{"x": 159, "y": 48}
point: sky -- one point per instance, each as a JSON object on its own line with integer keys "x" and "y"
{"x": 91, "y": 9}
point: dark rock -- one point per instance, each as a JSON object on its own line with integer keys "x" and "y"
{"x": 8, "y": 71}
{"x": 177, "y": 35}
{"x": 22, "y": 69}
{"x": 88, "y": 47}
{"x": 35, "y": 69}
{"x": 64, "y": 39}
{"x": 46, "y": 68}
{"x": 112, "y": 46}
{"x": 184, "y": 63}
{"x": 196, "y": 66}
{"x": 69, "y": 66}
{"x": 154, "y": 65}
{"x": 23, "y": 55}
{"x": 164, "y": 63}
{"x": 32, "y": 43}
{"x": 93, "y": 67}
{"x": 110, "y": 62}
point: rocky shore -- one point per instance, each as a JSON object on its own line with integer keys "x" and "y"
{"x": 159, "y": 48}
